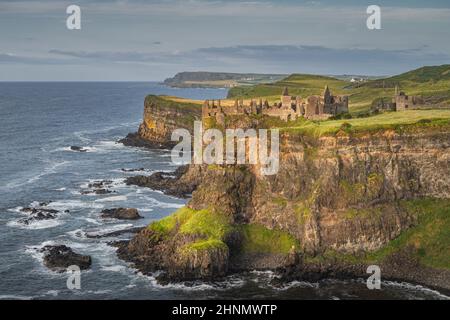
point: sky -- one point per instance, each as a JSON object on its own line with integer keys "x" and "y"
{"x": 137, "y": 40}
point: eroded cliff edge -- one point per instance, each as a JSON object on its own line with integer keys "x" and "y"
{"x": 338, "y": 204}
{"x": 161, "y": 116}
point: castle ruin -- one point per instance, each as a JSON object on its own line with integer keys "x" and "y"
{"x": 289, "y": 108}
{"x": 401, "y": 102}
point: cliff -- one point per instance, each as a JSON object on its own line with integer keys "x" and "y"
{"x": 340, "y": 202}
{"x": 161, "y": 116}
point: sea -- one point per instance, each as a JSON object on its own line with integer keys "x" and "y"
{"x": 39, "y": 122}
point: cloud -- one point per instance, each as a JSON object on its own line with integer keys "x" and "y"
{"x": 10, "y": 58}
{"x": 221, "y": 8}
{"x": 278, "y": 58}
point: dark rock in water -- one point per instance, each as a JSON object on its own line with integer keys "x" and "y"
{"x": 98, "y": 187}
{"x": 39, "y": 210}
{"x": 77, "y": 148}
{"x": 37, "y": 214}
{"x": 133, "y": 170}
{"x": 97, "y": 191}
{"x": 170, "y": 183}
{"x": 100, "y": 184}
{"x": 97, "y": 235}
{"x": 135, "y": 140}
{"x": 121, "y": 213}
{"x": 59, "y": 258}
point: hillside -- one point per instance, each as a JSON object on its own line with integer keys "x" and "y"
{"x": 201, "y": 79}
{"x": 433, "y": 83}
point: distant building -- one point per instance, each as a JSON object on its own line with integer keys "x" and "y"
{"x": 319, "y": 107}
{"x": 401, "y": 102}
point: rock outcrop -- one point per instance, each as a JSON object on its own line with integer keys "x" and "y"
{"x": 179, "y": 183}
{"x": 121, "y": 214}
{"x": 161, "y": 117}
{"x": 59, "y": 258}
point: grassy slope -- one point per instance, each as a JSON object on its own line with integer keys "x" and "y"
{"x": 214, "y": 227}
{"x": 427, "y": 81}
{"x": 390, "y": 120}
{"x": 430, "y": 238}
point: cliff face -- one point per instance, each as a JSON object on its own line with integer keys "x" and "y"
{"x": 351, "y": 194}
{"x": 338, "y": 193}
{"x": 162, "y": 116}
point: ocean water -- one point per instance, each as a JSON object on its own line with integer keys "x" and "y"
{"x": 38, "y": 124}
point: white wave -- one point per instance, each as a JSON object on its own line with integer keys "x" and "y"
{"x": 14, "y": 297}
{"x": 294, "y": 284}
{"x": 106, "y": 230}
{"x": 414, "y": 287}
{"x": 16, "y": 210}
{"x": 144, "y": 209}
{"x": 53, "y": 293}
{"x": 35, "y": 224}
{"x": 114, "y": 268}
{"x": 35, "y": 251}
{"x": 227, "y": 284}
{"x": 51, "y": 168}
{"x": 90, "y": 220}
{"x": 62, "y": 205}
{"x": 166, "y": 205}
{"x": 114, "y": 198}
{"x": 77, "y": 233}
{"x": 60, "y": 189}
{"x": 115, "y": 182}
{"x": 69, "y": 149}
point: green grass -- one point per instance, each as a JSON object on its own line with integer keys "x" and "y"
{"x": 258, "y": 239}
{"x": 183, "y": 112}
{"x": 432, "y": 83}
{"x": 207, "y": 223}
{"x": 430, "y": 238}
{"x": 213, "y": 228}
{"x": 209, "y": 244}
{"x": 212, "y": 225}
{"x": 168, "y": 224}
{"x": 384, "y": 121}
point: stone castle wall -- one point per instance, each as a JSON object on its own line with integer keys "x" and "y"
{"x": 290, "y": 108}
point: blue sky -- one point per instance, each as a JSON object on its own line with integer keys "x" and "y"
{"x": 152, "y": 40}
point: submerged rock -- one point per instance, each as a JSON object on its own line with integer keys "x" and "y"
{"x": 132, "y": 170}
{"x": 100, "y": 184}
{"x": 121, "y": 213}
{"x": 38, "y": 214}
{"x": 96, "y": 191}
{"x": 77, "y": 148}
{"x": 98, "y": 188}
{"x": 135, "y": 140}
{"x": 179, "y": 183}
{"x": 97, "y": 234}
{"x": 59, "y": 258}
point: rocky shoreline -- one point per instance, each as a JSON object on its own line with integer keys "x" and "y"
{"x": 135, "y": 140}
{"x": 150, "y": 252}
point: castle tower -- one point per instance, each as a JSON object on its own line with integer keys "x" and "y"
{"x": 286, "y": 99}
{"x": 327, "y": 95}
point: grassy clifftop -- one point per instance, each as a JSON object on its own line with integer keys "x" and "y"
{"x": 433, "y": 83}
